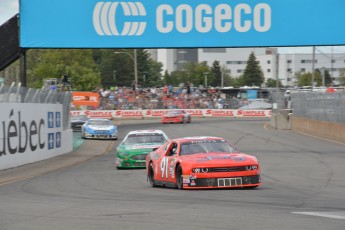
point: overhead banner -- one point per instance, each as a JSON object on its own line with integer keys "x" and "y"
{"x": 180, "y": 23}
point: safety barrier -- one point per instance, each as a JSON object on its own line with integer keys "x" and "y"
{"x": 140, "y": 114}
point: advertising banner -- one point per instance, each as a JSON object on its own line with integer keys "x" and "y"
{"x": 28, "y": 137}
{"x": 158, "y": 113}
{"x": 180, "y": 23}
{"x": 85, "y": 99}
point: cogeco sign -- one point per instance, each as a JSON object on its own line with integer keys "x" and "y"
{"x": 179, "y": 23}
{"x": 183, "y": 18}
{"x": 222, "y": 18}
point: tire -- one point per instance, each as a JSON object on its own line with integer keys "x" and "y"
{"x": 189, "y": 120}
{"x": 150, "y": 175}
{"x": 250, "y": 187}
{"x": 182, "y": 120}
{"x": 179, "y": 179}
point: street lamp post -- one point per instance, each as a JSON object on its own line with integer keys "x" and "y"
{"x": 134, "y": 58}
{"x": 323, "y": 76}
{"x": 205, "y": 75}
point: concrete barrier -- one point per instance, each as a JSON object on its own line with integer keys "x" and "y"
{"x": 32, "y": 132}
{"x": 280, "y": 119}
{"x": 328, "y": 130}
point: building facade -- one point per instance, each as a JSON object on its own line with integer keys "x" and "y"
{"x": 283, "y": 67}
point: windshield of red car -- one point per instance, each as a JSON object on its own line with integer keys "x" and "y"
{"x": 145, "y": 138}
{"x": 206, "y": 146}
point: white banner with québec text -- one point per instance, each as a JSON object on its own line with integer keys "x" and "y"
{"x": 28, "y": 137}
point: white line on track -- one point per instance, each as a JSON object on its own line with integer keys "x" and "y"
{"x": 333, "y": 215}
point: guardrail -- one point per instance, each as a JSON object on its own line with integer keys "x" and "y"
{"x": 18, "y": 94}
{"x": 158, "y": 113}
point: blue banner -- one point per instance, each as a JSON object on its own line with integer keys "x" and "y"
{"x": 177, "y": 23}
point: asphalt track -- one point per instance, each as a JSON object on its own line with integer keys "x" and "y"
{"x": 303, "y": 186}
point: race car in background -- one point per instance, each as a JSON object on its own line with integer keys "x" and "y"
{"x": 176, "y": 116}
{"x": 132, "y": 151}
{"x": 77, "y": 122}
{"x": 99, "y": 128}
{"x": 201, "y": 162}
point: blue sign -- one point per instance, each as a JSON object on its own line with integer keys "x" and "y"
{"x": 50, "y": 140}
{"x": 252, "y": 94}
{"x": 57, "y": 119}
{"x": 180, "y": 23}
{"x": 50, "y": 120}
{"x": 58, "y": 139}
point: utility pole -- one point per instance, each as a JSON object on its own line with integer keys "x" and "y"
{"x": 313, "y": 70}
{"x": 135, "y": 69}
{"x": 332, "y": 63}
{"x": 134, "y": 58}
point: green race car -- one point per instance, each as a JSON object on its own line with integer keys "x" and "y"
{"x": 132, "y": 151}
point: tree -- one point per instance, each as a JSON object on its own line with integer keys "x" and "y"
{"x": 305, "y": 79}
{"x": 328, "y": 79}
{"x": 178, "y": 77}
{"x": 253, "y": 75}
{"x": 239, "y": 81}
{"x": 217, "y": 73}
{"x": 272, "y": 83}
{"x": 122, "y": 61}
{"x": 342, "y": 77}
{"x": 196, "y": 73}
{"x": 167, "y": 78}
{"x": 153, "y": 75}
{"x": 78, "y": 64}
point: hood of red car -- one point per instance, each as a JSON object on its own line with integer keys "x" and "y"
{"x": 219, "y": 159}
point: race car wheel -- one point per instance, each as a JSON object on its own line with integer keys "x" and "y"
{"x": 150, "y": 175}
{"x": 179, "y": 179}
{"x": 251, "y": 187}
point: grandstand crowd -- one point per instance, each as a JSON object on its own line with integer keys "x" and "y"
{"x": 167, "y": 97}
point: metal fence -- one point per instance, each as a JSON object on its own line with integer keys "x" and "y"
{"x": 18, "y": 94}
{"x": 321, "y": 106}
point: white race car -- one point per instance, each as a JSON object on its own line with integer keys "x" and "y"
{"x": 99, "y": 128}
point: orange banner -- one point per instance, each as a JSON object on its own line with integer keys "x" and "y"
{"x": 85, "y": 98}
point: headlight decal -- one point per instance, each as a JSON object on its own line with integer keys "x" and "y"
{"x": 226, "y": 169}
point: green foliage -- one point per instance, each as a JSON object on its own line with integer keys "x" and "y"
{"x": 193, "y": 73}
{"x": 177, "y": 77}
{"x": 328, "y": 79}
{"x": 78, "y": 64}
{"x": 272, "y": 83}
{"x": 342, "y": 77}
{"x": 153, "y": 75}
{"x": 305, "y": 79}
{"x": 217, "y": 73}
{"x": 253, "y": 75}
{"x": 240, "y": 81}
{"x": 198, "y": 73}
{"x": 122, "y": 62}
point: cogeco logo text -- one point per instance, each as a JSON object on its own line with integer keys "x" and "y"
{"x": 183, "y": 18}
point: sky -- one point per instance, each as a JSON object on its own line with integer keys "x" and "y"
{"x": 8, "y": 8}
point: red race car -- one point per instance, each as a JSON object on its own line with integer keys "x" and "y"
{"x": 201, "y": 162}
{"x": 176, "y": 116}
